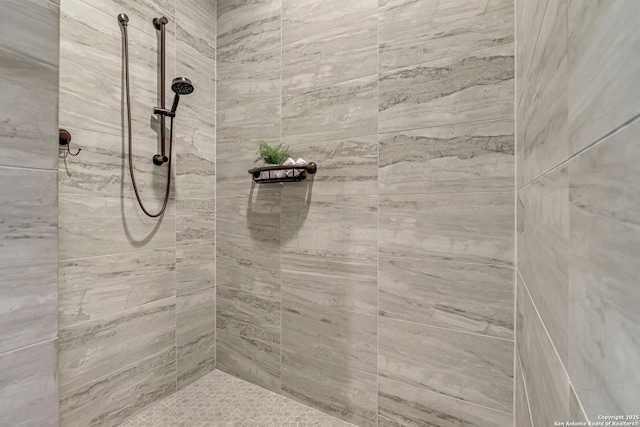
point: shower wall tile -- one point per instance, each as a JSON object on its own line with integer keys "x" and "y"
{"x": 252, "y": 79}
{"x": 466, "y": 297}
{"x": 195, "y": 334}
{"x": 545, "y": 138}
{"x": 332, "y": 335}
{"x": 604, "y": 271}
{"x": 546, "y": 380}
{"x": 603, "y": 69}
{"x": 93, "y": 287}
{"x": 467, "y": 157}
{"x": 249, "y": 315}
{"x": 470, "y": 87}
{"x": 340, "y": 54}
{"x": 331, "y": 279}
{"x": 252, "y": 268}
{"x": 251, "y": 221}
{"x": 405, "y": 405}
{"x": 28, "y": 257}
{"x": 329, "y": 223}
{"x": 529, "y": 16}
{"x": 305, "y": 18}
{"x": 28, "y": 129}
{"x": 195, "y": 221}
{"x": 340, "y": 111}
{"x": 195, "y": 267}
{"x": 113, "y": 398}
{"x": 473, "y": 227}
{"x": 522, "y": 412}
{"x": 347, "y": 166}
{"x": 102, "y": 225}
{"x": 543, "y": 240}
{"x": 251, "y": 360}
{"x": 28, "y": 387}
{"x": 99, "y": 347}
{"x": 465, "y": 366}
{"x": 240, "y": 128}
{"x": 247, "y": 27}
{"x": 575, "y": 409}
{"x": 415, "y": 32}
{"x": 338, "y": 390}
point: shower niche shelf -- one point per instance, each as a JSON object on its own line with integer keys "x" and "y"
{"x": 277, "y": 173}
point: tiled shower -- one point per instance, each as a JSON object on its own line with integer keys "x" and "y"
{"x": 465, "y": 255}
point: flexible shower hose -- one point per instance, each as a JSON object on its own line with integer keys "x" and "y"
{"x": 129, "y": 133}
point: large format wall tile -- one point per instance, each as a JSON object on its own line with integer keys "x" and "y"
{"x": 113, "y": 398}
{"x": 195, "y": 267}
{"x": 466, "y": 157}
{"x": 405, "y": 405}
{"x": 529, "y": 16}
{"x": 338, "y": 390}
{"x": 521, "y": 410}
{"x": 336, "y": 336}
{"x": 195, "y": 221}
{"x": 603, "y": 68}
{"x": 249, "y": 315}
{"x": 95, "y": 348}
{"x": 97, "y": 286}
{"x": 415, "y": 32}
{"x": 253, "y": 220}
{"x": 29, "y": 386}
{"x": 469, "y": 367}
{"x": 467, "y": 297}
{"x": 305, "y": 18}
{"x": 604, "y": 272}
{"x": 340, "y": 111}
{"x": 473, "y": 227}
{"x": 341, "y": 54}
{"x": 249, "y": 267}
{"x": 471, "y": 87}
{"x": 28, "y": 257}
{"x": 339, "y": 280}
{"x": 543, "y": 251}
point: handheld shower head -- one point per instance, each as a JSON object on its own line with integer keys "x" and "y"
{"x": 181, "y": 86}
{"x": 123, "y": 19}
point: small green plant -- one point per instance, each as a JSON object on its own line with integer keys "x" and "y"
{"x": 271, "y": 155}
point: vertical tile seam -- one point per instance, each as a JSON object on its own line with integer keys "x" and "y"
{"x": 515, "y": 207}
{"x": 377, "y": 397}
{"x": 281, "y": 186}
{"x": 175, "y": 230}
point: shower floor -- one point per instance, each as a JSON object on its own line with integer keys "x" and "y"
{"x": 219, "y": 399}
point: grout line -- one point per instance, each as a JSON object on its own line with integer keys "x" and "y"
{"x": 446, "y": 329}
{"x": 526, "y": 393}
{"x": 28, "y": 346}
{"x": 121, "y": 253}
{"x": 281, "y": 185}
{"x": 27, "y": 169}
{"x": 378, "y": 48}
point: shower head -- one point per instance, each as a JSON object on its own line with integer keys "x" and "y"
{"x": 182, "y": 86}
{"x": 123, "y": 19}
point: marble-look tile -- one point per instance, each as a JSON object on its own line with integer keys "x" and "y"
{"x": 340, "y": 111}
{"x": 28, "y": 129}
{"x": 195, "y": 335}
{"x": 603, "y": 68}
{"x": 195, "y": 267}
{"x": 249, "y": 268}
{"x": 467, "y": 157}
{"x": 344, "y": 53}
{"x": 467, "y": 297}
{"x": 519, "y": 122}
{"x": 604, "y": 271}
{"x": 337, "y": 336}
{"x": 346, "y": 166}
{"x": 205, "y": 8}
{"x": 195, "y": 221}
{"x": 28, "y": 257}
{"x": 406, "y": 405}
{"x": 305, "y": 18}
{"x": 545, "y": 378}
{"x": 473, "y": 227}
{"x": 92, "y": 225}
{"x": 93, "y": 287}
{"x": 95, "y": 348}
{"x": 332, "y": 279}
{"x": 522, "y": 413}
{"x": 247, "y": 314}
{"x": 329, "y": 223}
{"x": 415, "y": 32}
{"x": 575, "y": 408}
{"x": 252, "y": 79}
{"x": 240, "y": 128}
{"x": 31, "y": 28}
{"x": 470, "y": 87}
{"x": 529, "y": 16}
{"x": 465, "y": 366}
{"x": 246, "y": 27}
{"x": 546, "y": 137}
{"x": 337, "y": 390}
{"x": 251, "y": 360}
{"x": 252, "y": 220}
{"x": 29, "y": 387}
{"x": 543, "y": 251}
{"x": 110, "y": 400}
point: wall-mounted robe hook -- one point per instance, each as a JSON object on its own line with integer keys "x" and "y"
{"x": 65, "y": 142}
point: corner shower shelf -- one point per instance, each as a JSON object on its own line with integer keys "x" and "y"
{"x": 293, "y": 173}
